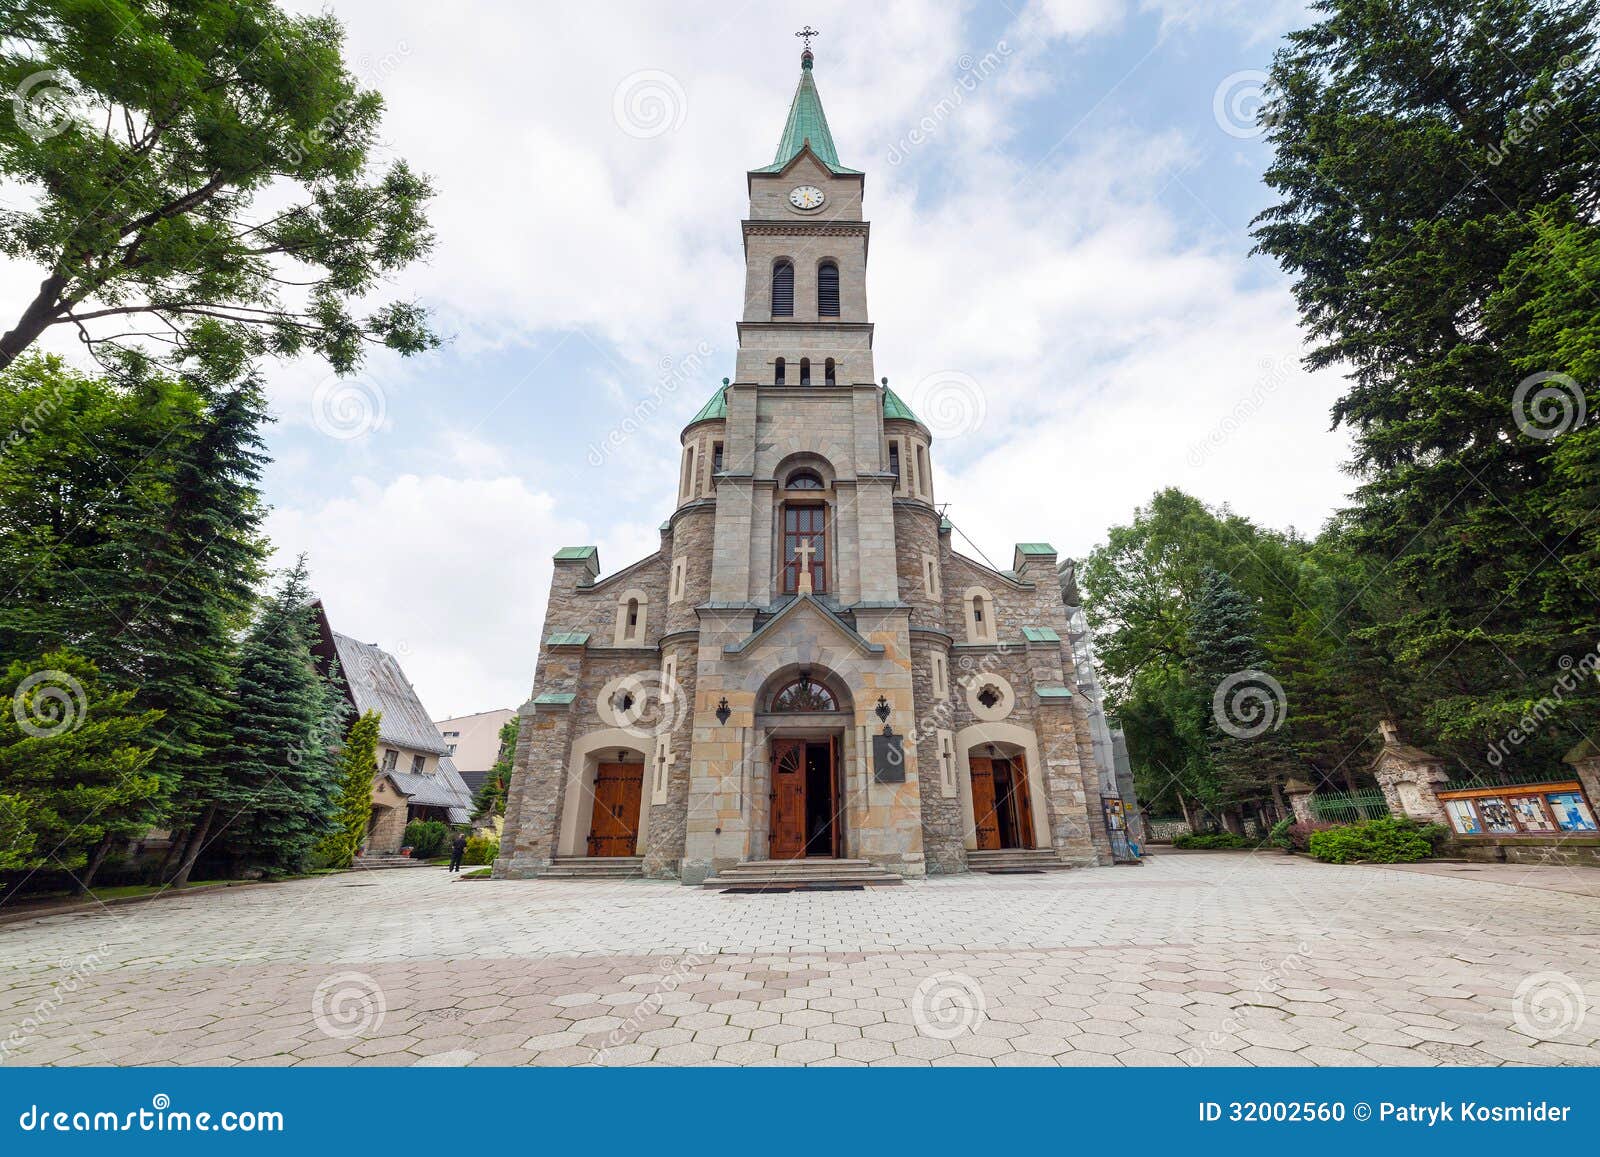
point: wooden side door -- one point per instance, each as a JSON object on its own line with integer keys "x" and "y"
{"x": 787, "y": 836}
{"x": 618, "y": 791}
{"x": 836, "y": 824}
{"x": 983, "y": 817}
{"x": 1023, "y": 797}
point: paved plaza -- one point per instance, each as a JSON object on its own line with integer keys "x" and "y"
{"x": 1220, "y": 959}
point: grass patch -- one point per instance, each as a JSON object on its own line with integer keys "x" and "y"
{"x": 480, "y": 874}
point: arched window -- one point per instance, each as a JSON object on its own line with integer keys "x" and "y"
{"x": 804, "y": 480}
{"x": 783, "y": 289}
{"x": 829, "y": 376}
{"x": 827, "y": 290}
{"x": 633, "y": 608}
{"x": 777, "y": 372}
{"x": 804, "y": 695}
{"x": 805, "y": 371}
{"x": 979, "y": 607}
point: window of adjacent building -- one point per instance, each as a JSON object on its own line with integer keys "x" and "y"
{"x": 783, "y": 289}
{"x": 778, "y": 372}
{"x": 805, "y": 536}
{"x": 941, "y": 676}
{"x": 827, "y": 290}
{"x": 418, "y": 762}
{"x": 391, "y": 759}
{"x": 449, "y": 749}
{"x": 830, "y": 374}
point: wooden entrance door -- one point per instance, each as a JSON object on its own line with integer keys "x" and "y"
{"x": 618, "y": 790}
{"x": 983, "y": 817}
{"x": 1022, "y": 799}
{"x": 787, "y": 837}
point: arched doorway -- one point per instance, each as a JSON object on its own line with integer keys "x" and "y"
{"x": 805, "y": 714}
{"x": 604, "y": 813}
{"x": 1002, "y": 799}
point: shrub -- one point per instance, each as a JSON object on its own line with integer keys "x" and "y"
{"x": 425, "y": 838}
{"x": 1300, "y": 834}
{"x": 481, "y": 850}
{"x": 1212, "y": 841}
{"x": 1390, "y": 840}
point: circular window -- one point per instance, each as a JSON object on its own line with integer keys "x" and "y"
{"x": 804, "y": 480}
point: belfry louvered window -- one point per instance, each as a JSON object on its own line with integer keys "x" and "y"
{"x": 828, "y": 290}
{"x": 783, "y": 290}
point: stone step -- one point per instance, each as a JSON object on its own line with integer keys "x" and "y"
{"x": 809, "y": 873}
{"x": 594, "y": 868}
{"x": 372, "y": 863}
{"x": 1015, "y": 860}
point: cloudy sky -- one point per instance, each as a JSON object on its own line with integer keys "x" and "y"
{"x": 1059, "y": 194}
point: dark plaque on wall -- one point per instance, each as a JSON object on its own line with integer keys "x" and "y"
{"x": 888, "y": 759}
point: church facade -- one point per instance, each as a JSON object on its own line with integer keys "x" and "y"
{"x": 806, "y": 671}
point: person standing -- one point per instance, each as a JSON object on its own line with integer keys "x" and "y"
{"x": 457, "y": 850}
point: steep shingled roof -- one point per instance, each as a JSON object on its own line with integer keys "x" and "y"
{"x": 378, "y": 684}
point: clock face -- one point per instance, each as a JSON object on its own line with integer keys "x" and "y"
{"x": 806, "y": 197}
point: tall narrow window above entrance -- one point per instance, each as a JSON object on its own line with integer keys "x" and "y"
{"x": 783, "y": 289}
{"x": 830, "y": 376}
{"x": 777, "y": 372}
{"x": 805, "y": 544}
{"x": 827, "y": 290}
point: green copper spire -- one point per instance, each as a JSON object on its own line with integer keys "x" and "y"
{"x": 806, "y": 123}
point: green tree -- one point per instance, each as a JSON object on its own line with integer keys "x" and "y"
{"x": 74, "y": 766}
{"x": 1429, "y": 157}
{"x": 1242, "y": 707}
{"x": 274, "y": 798}
{"x": 491, "y": 796}
{"x": 212, "y": 192}
{"x": 356, "y": 765}
{"x": 130, "y": 530}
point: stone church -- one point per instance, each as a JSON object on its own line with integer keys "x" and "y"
{"x": 806, "y": 682}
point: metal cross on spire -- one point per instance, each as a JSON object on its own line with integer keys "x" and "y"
{"x": 806, "y": 34}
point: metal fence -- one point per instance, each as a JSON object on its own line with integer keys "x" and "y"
{"x": 1349, "y": 807}
{"x": 1504, "y": 779}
